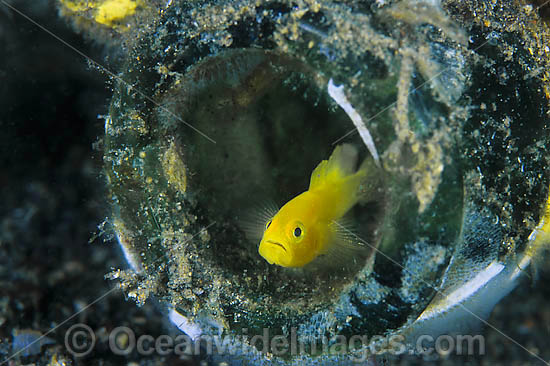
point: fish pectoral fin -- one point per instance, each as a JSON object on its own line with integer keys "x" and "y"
{"x": 252, "y": 222}
{"x": 346, "y": 247}
{"x": 345, "y": 235}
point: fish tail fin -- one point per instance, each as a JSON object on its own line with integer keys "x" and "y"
{"x": 369, "y": 179}
{"x": 341, "y": 164}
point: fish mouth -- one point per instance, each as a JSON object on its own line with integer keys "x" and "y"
{"x": 276, "y": 243}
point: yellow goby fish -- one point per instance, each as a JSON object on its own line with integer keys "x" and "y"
{"x": 307, "y": 226}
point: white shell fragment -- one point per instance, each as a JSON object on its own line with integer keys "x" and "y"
{"x": 337, "y": 93}
{"x": 193, "y": 330}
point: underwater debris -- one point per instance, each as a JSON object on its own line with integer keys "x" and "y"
{"x": 254, "y": 79}
{"x": 28, "y": 342}
{"x": 337, "y": 93}
{"x": 174, "y": 168}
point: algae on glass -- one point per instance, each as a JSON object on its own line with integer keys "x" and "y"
{"x": 222, "y": 108}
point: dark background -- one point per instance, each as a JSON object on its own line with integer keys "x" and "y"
{"x": 53, "y": 251}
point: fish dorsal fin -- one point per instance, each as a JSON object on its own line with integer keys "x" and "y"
{"x": 341, "y": 163}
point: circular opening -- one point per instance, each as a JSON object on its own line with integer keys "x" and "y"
{"x": 272, "y": 123}
{"x": 265, "y": 122}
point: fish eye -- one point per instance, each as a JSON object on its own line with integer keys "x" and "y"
{"x": 268, "y": 224}
{"x": 298, "y": 231}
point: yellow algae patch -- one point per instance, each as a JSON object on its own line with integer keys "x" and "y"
{"x": 109, "y": 13}
{"x": 174, "y": 168}
{"x": 539, "y": 240}
{"x": 540, "y": 237}
{"x": 112, "y": 11}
